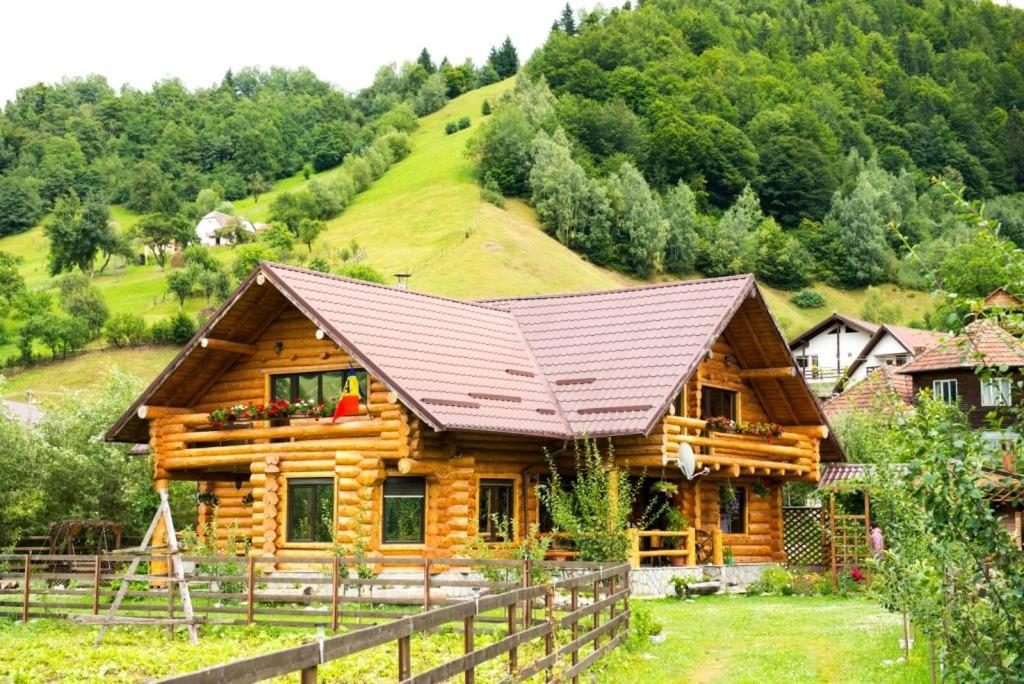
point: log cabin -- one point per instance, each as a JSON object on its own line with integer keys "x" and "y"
{"x": 461, "y": 404}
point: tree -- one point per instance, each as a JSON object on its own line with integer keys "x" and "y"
{"x": 679, "y": 207}
{"x": 720, "y": 250}
{"x": 859, "y": 253}
{"x": 20, "y": 205}
{"x": 502, "y": 150}
{"x": 639, "y": 230}
{"x": 796, "y": 180}
{"x": 146, "y": 183}
{"x": 86, "y": 304}
{"x": 234, "y": 232}
{"x": 12, "y": 283}
{"x": 292, "y": 208}
{"x": 257, "y": 185}
{"x": 181, "y": 282}
{"x": 424, "y": 61}
{"x": 362, "y": 272}
{"x": 160, "y": 233}
{"x": 432, "y": 95}
{"x": 125, "y": 329}
{"x": 567, "y": 21}
{"x": 248, "y": 257}
{"x": 60, "y": 332}
{"x": 778, "y": 258}
{"x": 976, "y": 267}
{"x": 309, "y": 231}
{"x": 877, "y": 310}
{"x": 504, "y": 59}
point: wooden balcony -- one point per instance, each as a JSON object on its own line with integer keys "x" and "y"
{"x": 793, "y": 453}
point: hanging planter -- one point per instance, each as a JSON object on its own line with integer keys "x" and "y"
{"x": 766, "y": 431}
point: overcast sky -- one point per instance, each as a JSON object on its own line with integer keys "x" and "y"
{"x": 141, "y": 41}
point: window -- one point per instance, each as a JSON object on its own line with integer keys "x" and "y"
{"x": 732, "y": 509}
{"x": 716, "y": 402}
{"x": 806, "y": 362}
{"x": 995, "y": 392}
{"x": 945, "y": 390}
{"x": 317, "y": 386}
{"x": 310, "y": 509}
{"x": 404, "y": 510}
{"x": 496, "y": 502}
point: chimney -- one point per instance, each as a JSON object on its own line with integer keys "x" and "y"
{"x": 403, "y": 280}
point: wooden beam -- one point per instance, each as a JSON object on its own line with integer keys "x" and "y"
{"x": 766, "y": 373}
{"x": 227, "y": 345}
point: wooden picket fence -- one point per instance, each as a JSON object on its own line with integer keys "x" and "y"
{"x": 330, "y": 592}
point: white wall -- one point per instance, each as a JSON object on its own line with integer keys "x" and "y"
{"x": 887, "y": 346}
{"x": 208, "y": 225}
{"x": 823, "y": 345}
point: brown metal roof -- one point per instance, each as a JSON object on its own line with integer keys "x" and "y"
{"x": 981, "y": 343}
{"x": 601, "y": 363}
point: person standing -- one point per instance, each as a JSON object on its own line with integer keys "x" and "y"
{"x": 877, "y": 541}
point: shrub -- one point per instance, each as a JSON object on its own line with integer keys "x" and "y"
{"x": 362, "y": 272}
{"x": 464, "y": 123}
{"x": 125, "y": 329}
{"x": 490, "y": 193}
{"x": 319, "y": 264}
{"x": 450, "y": 128}
{"x": 249, "y": 257}
{"x": 808, "y": 299}
{"x": 178, "y": 329}
{"x": 485, "y": 108}
{"x": 643, "y": 624}
{"x": 774, "y": 580}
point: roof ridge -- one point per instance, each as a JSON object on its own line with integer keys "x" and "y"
{"x": 615, "y": 290}
{"x": 381, "y": 286}
{"x": 542, "y": 374}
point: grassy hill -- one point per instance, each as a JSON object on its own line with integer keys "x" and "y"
{"x": 424, "y": 216}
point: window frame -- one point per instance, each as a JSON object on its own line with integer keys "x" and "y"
{"x": 735, "y": 402}
{"x": 383, "y": 511}
{"x": 491, "y": 485}
{"x": 293, "y": 376}
{"x": 1003, "y": 399}
{"x": 743, "y": 495}
{"x": 305, "y": 479}
{"x": 942, "y": 395}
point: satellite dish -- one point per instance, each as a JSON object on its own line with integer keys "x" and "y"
{"x": 688, "y": 462}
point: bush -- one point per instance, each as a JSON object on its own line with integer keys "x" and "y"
{"x": 774, "y": 580}
{"x": 808, "y": 299}
{"x": 125, "y": 330}
{"x": 178, "y": 329}
{"x": 362, "y": 272}
{"x": 450, "y": 128}
{"x": 464, "y": 123}
{"x": 485, "y": 108}
{"x": 490, "y": 193}
{"x": 319, "y": 264}
{"x": 249, "y": 256}
{"x": 643, "y": 624}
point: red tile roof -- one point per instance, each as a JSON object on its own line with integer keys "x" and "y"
{"x": 914, "y": 340}
{"x": 880, "y": 383}
{"x": 614, "y": 358}
{"x": 981, "y": 342}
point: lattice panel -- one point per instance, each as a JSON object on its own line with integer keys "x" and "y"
{"x": 803, "y": 537}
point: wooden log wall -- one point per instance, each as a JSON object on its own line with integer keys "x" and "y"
{"x": 232, "y": 517}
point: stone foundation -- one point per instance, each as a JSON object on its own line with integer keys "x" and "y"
{"x": 655, "y": 582}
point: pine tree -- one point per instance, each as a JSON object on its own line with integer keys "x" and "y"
{"x": 679, "y": 207}
{"x": 424, "y": 61}
{"x": 505, "y": 59}
{"x": 567, "y": 22}
{"x": 721, "y": 247}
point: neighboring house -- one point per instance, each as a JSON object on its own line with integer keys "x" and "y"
{"x": 462, "y": 405}
{"x": 947, "y": 370}
{"x": 891, "y": 345}
{"x": 867, "y": 394}
{"x": 27, "y": 414}
{"x": 1000, "y": 297}
{"x": 826, "y": 350}
{"x": 208, "y": 226}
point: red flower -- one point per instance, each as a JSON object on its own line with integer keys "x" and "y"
{"x": 856, "y": 574}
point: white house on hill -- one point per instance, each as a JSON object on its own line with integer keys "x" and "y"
{"x": 826, "y": 350}
{"x": 892, "y": 345}
{"x": 208, "y": 226}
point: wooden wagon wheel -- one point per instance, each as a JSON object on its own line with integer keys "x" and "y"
{"x": 704, "y": 547}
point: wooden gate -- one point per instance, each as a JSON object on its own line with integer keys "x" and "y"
{"x": 803, "y": 535}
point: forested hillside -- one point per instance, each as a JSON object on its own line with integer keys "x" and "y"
{"x": 796, "y": 140}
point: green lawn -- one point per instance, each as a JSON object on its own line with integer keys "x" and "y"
{"x": 719, "y": 639}
{"x": 85, "y": 372}
{"x": 786, "y": 639}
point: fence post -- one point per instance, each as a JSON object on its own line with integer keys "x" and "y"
{"x": 549, "y": 637}
{"x": 574, "y": 605}
{"x": 27, "y": 579}
{"x": 717, "y": 552}
{"x": 611, "y": 607}
{"x": 633, "y": 535}
{"x": 335, "y": 571}
{"x": 250, "y": 589}
{"x": 426, "y": 585}
{"x": 96, "y": 587}
{"x": 691, "y": 546}
{"x": 513, "y": 653}
{"x": 467, "y": 647}
{"x": 597, "y": 613}
{"x": 404, "y": 658}
{"x": 170, "y": 606}
{"x": 308, "y": 675}
{"x": 527, "y": 604}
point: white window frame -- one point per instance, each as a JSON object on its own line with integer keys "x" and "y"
{"x": 941, "y": 390}
{"x": 996, "y": 391}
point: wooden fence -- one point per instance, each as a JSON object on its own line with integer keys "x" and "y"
{"x": 584, "y": 643}
{"x": 804, "y": 536}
